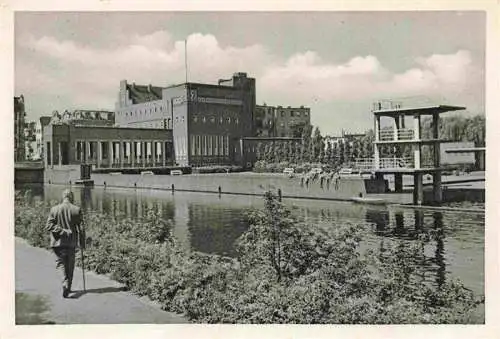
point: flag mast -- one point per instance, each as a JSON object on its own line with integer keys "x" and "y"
{"x": 185, "y": 59}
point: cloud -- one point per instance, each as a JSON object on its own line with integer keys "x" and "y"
{"x": 86, "y": 76}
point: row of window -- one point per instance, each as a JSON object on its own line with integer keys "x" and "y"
{"x": 91, "y": 151}
{"x": 282, "y": 114}
{"x": 208, "y": 145}
{"x": 214, "y": 120}
{"x": 142, "y": 111}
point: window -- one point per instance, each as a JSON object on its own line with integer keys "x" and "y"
{"x": 210, "y": 145}
{"x": 291, "y": 114}
{"x": 195, "y": 119}
{"x": 221, "y": 145}
{"x": 221, "y": 120}
{"x": 204, "y": 145}
{"x": 198, "y": 145}
{"x": 236, "y": 121}
{"x": 228, "y": 120}
{"x": 204, "y": 119}
{"x": 306, "y": 114}
{"x": 282, "y": 114}
{"x": 212, "y": 120}
{"x": 298, "y": 114}
{"x": 193, "y": 145}
{"x": 227, "y": 146}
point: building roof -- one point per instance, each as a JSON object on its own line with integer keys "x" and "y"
{"x": 144, "y": 93}
{"x": 466, "y": 150}
{"x": 417, "y": 110}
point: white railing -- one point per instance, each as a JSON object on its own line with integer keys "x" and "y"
{"x": 367, "y": 164}
{"x": 403, "y": 134}
{"x": 395, "y": 163}
{"x": 386, "y": 105}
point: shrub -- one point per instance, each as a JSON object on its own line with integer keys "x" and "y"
{"x": 286, "y": 271}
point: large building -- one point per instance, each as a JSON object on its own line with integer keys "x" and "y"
{"x": 272, "y": 121}
{"x": 207, "y": 121}
{"x": 19, "y": 122}
{"x": 190, "y": 124}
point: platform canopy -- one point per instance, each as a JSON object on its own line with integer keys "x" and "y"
{"x": 423, "y": 110}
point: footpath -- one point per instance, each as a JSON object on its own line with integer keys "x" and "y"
{"x": 104, "y": 302}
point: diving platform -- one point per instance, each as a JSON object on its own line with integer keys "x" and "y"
{"x": 397, "y": 135}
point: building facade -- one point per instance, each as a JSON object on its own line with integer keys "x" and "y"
{"x": 39, "y": 126}
{"x": 105, "y": 146}
{"x": 271, "y": 121}
{"x": 207, "y": 121}
{"x": 19, "y": 124}
{"x": 30, "y": 140}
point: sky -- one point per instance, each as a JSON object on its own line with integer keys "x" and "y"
{"x": 336, "y": 63}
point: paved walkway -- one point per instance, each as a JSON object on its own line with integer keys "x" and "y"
{"x": 105, "y": 302}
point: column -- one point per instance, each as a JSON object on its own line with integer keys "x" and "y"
{"x": 121, "y": 153}
{"x": 376, "y": 146}
{"x": 437, "y": 189}
{"x": 416, "y": 136}
{"x": 398, "y": 182}
{"x": 163, "y": 153}
{"x": 110, "y": 153}
{"x": 132, "y": 152}
{"x": 418, "y": 189}
{"x": 395, "y": 126}
{"x": 87, "y": 151}
{"x": 99, "y": 153}
{"x": 52, "y": 154}
{"x": 143, "y": 153}
{"x": 82, "y": 151}
{"x": 59, "y": 157}
{"x": 153, "y": 152}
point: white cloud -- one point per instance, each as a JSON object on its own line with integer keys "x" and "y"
{"x": 86, "y": 76}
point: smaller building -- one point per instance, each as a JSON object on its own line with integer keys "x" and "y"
{"x": 106, "y": 146}
{"x": 30, "y": 140}
{"x": 271, "y": 121}
{"x": 40, "y": 125}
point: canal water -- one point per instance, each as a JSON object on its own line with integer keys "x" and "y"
{"x": 210, "y": 223}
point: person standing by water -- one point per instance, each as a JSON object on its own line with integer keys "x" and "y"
{"x": 64, "y": 224}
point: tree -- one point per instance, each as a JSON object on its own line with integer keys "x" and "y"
{"x": 327, "y": 156}
{"x": 259, "y": 151}
{"x": 341, "y": 152}
{"x": 318, "y": 146}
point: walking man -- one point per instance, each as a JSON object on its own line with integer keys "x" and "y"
{"x": 64, "y": 225}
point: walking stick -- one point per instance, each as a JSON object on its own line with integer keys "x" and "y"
{"x": 83, "y": 269}
{"x": 83, "y": 257}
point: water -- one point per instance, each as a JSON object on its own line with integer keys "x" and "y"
{"x": 211, "y": 224}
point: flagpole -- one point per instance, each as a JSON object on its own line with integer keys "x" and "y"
{"x": 185, "y": 59}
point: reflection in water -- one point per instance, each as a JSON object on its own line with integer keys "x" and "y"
{"x": 414, "y": 229}
{"x": 439, "y": 253}
{"x": 211, "y": 224}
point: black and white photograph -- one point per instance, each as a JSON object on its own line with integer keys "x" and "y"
{"x": 250, "y": 167}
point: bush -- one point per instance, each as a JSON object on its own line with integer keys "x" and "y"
{"x": 286, "y": 271}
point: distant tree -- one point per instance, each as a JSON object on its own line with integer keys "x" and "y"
{"x": 259, "y": 152}
{"x": 335, "y": 156}
{"x": 341, "y": 152}
{"x": 327, "y": 156}
{"x": 318, "y": 145}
